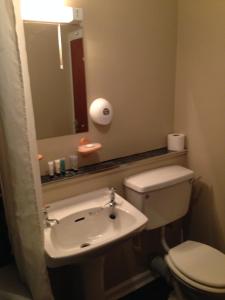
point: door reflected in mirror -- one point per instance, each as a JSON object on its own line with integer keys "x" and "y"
{"x": 59, "y": 95}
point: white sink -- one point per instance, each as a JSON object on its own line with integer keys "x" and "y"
{"x": 88, "y": 226}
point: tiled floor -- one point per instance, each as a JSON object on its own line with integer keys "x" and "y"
{"x": 156, "y": 290}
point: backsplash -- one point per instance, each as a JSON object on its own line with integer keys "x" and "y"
{"x": 113, "y": 177}
{"x": 103, "y": 166}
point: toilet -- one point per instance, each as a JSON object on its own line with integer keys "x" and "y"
{"x": 163, "y": 195}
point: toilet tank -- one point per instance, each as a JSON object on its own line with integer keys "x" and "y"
{"x": 162, "y": 194}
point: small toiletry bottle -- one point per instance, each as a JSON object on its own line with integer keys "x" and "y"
{"x": 51, "y": 168}
{"x": 57, "y": 166}
{"x": 74, "y": 162}
{"x": 62, "y": 166}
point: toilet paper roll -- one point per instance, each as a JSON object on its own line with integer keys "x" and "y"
{"x": 175, "y": 141}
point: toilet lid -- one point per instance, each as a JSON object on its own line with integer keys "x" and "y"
{"x": 200, "y": 262}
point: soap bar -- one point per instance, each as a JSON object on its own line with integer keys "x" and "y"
{"x": 90, "y": 145}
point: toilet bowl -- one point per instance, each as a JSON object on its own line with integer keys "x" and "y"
{"x": 163, "y": 195}
{"x": 199, "y": 268}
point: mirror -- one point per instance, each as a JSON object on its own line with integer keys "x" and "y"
{"x": 59, "y": 95}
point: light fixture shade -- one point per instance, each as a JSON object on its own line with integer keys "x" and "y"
{"x": 50, "y": 11}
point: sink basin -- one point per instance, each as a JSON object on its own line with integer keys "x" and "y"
{"x": 87, "y": 226}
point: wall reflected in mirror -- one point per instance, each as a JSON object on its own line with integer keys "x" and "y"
{"x": 59, "y": 95}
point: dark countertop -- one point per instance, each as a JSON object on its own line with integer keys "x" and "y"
{"x": 104, "y": 166}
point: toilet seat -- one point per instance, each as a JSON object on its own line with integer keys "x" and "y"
{"x": 199, "y": 265}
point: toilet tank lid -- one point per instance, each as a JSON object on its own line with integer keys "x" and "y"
{"x": 158, "y": 178}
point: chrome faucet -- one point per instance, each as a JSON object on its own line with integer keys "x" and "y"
{"x": 112, "y": 202}
{"x": 47, "y": 220}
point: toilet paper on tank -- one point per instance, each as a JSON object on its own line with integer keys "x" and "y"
{"x": 175, "y": 141}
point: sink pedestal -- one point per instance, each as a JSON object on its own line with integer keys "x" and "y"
{"x": 93, "y": 278}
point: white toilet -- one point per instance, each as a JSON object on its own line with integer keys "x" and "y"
{"x": 163, "y": 195}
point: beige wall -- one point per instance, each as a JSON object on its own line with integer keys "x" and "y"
{"x": 130, "y": 50}
{"x": 200, "y": 107}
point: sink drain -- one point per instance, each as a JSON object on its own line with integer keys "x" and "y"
{"x": 112, "y": 216}
{"x": 84, "y": 245}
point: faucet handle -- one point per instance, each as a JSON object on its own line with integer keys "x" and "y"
{"x": 112, "y": 193}
{"x": 112, "y": 190}
{"x": 45, "y": 209}
{"x": 111, "y": 201}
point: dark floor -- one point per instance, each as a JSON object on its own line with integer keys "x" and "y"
{"x": 156, "y": 290}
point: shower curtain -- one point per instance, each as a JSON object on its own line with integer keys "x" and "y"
{"x": 18, "y": 155}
